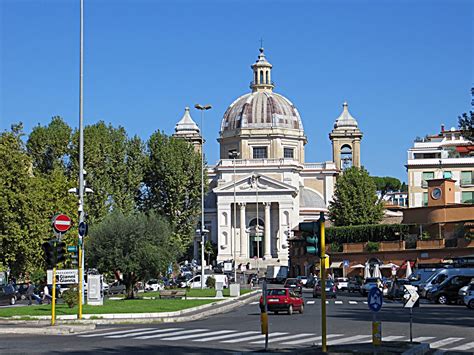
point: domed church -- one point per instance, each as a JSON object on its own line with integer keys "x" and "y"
{"x": 261, "y": 187}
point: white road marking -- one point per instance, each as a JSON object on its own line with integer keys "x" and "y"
{"x": 189, "y": 331}
{"x": 254, "y": 302}
{"x": 310, "y": 302}
{"x": 440, "y": 343}
{"x": 225, "y": 336}
{"x": 338, "y": 302}
{"x": 134, "y": 334}
{"x": 365, "y": 302}
{"x": 422, "y": 339}
{"x": 273, "y": 340}
{"x": 197, "y": 335}
{"x": 327, "y": 302}
{"x": 113, "y": 333}
{"x": 393, "y": 337}
{"x": 466, "y": 346}
{"x": 251, "y": 338}
{"x": 348, "y": 340}
{"x": 352, "y": 302}
{"x": 311, "y": 340}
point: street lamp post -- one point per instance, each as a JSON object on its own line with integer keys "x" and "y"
{"x": 234, "y": 155}
{"x": 202, "y": 109}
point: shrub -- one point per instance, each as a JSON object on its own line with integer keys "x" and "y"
{"x": 71, "y": 297}
{"x": 372, "y": 247}
{"x": 211, "y": 282}
{"x": 367, "y": 232}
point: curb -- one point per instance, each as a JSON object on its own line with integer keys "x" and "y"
{"x": 419, "y": 349}
{"x": 68, "y": 322}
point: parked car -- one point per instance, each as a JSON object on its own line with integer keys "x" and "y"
{"x": 441, "y": 275}
{"x": 369, "y": 283}
{"x": 195, "y": 282}
{"x": 342, "y": 283}
{"x": 331, "y": 289}
{"x": 153, "y": 285}
{"x": 448, "y": 290}
{"x": 118, "y": 287}
{"x": 397, "y": 289}
{"x": 353, "y": 285}
{"x": 294, "y": 284}
{"x": 283, "y": 299}
{"x": 469, "y": 297}
{"x": 8, "y": 295}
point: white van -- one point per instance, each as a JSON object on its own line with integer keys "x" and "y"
{"x": 438, "y": 277}
{"x": 195, "y": 282}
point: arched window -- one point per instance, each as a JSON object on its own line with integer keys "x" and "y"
{"x": 224, "y": 218}
{"x": 253, "y": 224}
{"x": 261, "y": 76}
{"x": 266, "y": 74}
{"x": 346, "y": 157}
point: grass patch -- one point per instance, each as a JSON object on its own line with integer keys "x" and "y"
{"x": 197, "y": 292}
{"x": 118, "y": 306}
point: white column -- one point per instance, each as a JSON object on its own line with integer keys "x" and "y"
{"x": 243, "y": 234}
{"x": 267, "y": 248}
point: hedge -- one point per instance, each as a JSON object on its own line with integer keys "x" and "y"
{"x": 366, "y": 233}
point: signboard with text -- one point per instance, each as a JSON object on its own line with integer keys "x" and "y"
{"x": 64, "y": 277}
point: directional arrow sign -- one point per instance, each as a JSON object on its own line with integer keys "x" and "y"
{"x": 411, "y": 296}
{"x": 82, "y": 229}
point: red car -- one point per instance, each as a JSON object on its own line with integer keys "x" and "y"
{"x": 283, "y": 299}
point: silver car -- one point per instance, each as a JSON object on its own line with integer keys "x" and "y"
{"x": 469, "y": 297}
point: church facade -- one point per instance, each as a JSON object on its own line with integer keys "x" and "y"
{"x": 261, "y": 187}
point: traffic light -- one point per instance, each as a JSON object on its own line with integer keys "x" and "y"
{"x": 311, "y": 233}
{"x": 48, "y": 248}
{"x": 60, "y": 252}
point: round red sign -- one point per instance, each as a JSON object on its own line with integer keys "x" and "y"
{"x": 61, "y": 223}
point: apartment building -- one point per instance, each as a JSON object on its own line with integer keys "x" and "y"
{"x": 445, "y": 155}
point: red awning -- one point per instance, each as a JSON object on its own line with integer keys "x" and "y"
{"x": 465, "y": 148}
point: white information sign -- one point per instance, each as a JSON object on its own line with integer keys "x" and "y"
{"x": 227, "y": 266}
{"x": 411, "y": 297}
{"x": 63, "y": 277}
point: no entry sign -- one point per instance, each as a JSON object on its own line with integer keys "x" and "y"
{"x": 61, "y": 223}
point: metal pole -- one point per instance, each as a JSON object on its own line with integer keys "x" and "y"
{"x": 235, "y": 225}
{"x": 81, "y": 154}
{"x": 202, "y": 202}
{"x": 53, "y": 304}
{"x": 322, "y": 254}
{"x": 258, "y": 227}
{"x": 411, "y": 324}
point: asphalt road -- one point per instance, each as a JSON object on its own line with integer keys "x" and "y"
{"x": 348, "y": 321}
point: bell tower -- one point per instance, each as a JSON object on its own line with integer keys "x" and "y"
{"x": 345, "y": 139}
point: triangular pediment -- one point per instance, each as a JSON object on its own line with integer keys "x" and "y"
{"x": 248, "y": 183}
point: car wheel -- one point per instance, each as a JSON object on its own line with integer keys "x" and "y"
{"x": 12, "y": 300}
{"x": 314, "y": 295}
{"x": 302, "y": 308}
{"x": 442, "y": 299}
{"x": 471, "y": 304}
{"x": 290, "y": 309}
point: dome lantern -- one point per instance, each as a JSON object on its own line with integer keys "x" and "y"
{"x": 262, "y": 74}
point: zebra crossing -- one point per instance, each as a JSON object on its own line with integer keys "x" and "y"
{"x": 254, "y": 338}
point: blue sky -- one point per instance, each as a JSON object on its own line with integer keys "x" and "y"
{"x": 405, "y": 67}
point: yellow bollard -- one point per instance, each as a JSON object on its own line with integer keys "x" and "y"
{"x": 376, "y": 333}
{"x": 264, "y": 322}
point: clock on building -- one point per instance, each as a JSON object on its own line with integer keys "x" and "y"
{"x": 436, "y": 193}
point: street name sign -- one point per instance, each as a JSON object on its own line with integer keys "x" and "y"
{"x": 61, "y": 223}
{"x": 412, "y": 296}
{"x": 64, "y": 276}
{"x": 375, "y": 299}
{"x": 72, "y": 248}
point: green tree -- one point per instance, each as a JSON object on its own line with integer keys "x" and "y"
{"x": 138, "y": 245}
{"x": 386, "y": 184}
{"x": 466, "y": 122}
{"x": 48, "y": 146}
{"x": 172, "y": 182}
{"x": 114, "y": 167}
{"x": 355, "y": 200}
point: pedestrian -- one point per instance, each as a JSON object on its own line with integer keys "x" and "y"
{"x": 30, "y": 294}
{"x": 46, "y": 295}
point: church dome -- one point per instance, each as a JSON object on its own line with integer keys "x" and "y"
{"x": 261, "y": 109}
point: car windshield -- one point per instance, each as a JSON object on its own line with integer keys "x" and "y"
{"x": 291, "y": 282}
{"x": 276, "y": 292}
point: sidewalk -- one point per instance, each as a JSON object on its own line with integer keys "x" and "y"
{"x": 67, "y": 324}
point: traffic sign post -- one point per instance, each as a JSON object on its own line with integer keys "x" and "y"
{"x": 375, "y": 301}
{"x": 411, "y": 297}
{"x": 264, "y": 314}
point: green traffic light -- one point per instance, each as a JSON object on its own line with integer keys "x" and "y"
{"x": 311, "y": 250}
